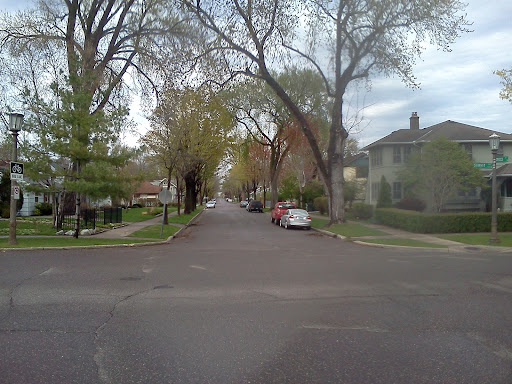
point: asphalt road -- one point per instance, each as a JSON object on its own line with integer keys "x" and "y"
{"x": 239, "y": 300}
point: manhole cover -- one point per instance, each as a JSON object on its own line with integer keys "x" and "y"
{"x": 131, "y": 278}
{"x": 472, "y": 248}
{"x": 165, "y": 286}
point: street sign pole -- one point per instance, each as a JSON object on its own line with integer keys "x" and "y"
{"x": 14, "y": 185}
{"x": 164, "y": 197}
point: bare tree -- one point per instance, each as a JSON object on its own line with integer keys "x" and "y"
{"x": 360, "y": 37}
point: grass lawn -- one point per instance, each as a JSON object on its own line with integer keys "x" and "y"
{"x": 31, "y": 242}
{"x": 347, "y": 229}
{"x": 404, "y": 243}
{"x": 133, "y": 215}
{"x": 153, "y": 231}
{"x": 32, "y": 227}
{"x": 479, "y": 238}
{"x": 184, "y": 219}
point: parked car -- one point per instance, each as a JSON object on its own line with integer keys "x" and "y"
{"x": 296, "y": 218}
{"x": 254, "y": 205}
{"x": 210, "y": 204}
{"x": 279, "y": 209}
{"x": 243, "y": 203}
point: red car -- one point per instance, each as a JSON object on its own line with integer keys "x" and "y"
{"x": 279, "y": 209}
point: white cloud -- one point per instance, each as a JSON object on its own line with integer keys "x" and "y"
{"x": 457, "y": 85}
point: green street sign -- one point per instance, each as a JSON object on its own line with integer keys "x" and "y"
{"x": 502, "y": 159}
{"x": 482, "y": 165}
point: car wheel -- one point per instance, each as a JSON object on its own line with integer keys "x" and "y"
{"x": 286, "y": 226}
{"x": 278, "y": 222}
{"x": 271, "y": 219}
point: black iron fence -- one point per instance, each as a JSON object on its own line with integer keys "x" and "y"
{"x": 89, "y": 218}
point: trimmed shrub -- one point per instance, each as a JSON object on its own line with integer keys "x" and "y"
{"x": 321, "y": 204}
{"x": 43, "y": 209}
{"x": 465, "y": 222}
{"x": 384, "y": 199}
{"x": 361, "y": 211}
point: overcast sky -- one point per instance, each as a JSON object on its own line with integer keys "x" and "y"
{"x": 458, "y": 85}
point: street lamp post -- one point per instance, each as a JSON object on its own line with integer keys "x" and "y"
{"x": 494, "y": 143}
{"x": 15, "y": 122}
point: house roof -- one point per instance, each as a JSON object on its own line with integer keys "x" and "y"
{"x": 450, "y": 130}
{"x": 356, "y": 160}
{"x": 503, "y": 171}
{"x": 147, "y": 188}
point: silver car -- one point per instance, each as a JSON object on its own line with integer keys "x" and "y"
{"x": 296, "y": 218}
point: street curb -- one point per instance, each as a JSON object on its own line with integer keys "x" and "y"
{"x": 375, "y": 245}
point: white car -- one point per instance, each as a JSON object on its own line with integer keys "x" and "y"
{"x": 296, "y": 218}
{"x": 210, "y": 204}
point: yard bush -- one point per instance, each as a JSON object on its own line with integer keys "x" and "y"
{"x": 43, "y": 209}
{"x": 321, "y": 204}
{"x": 384, "y": 199}
{"x": 5, "y": 212}
{"x": 466, "y": 222}
{"x": 361, "y": 211}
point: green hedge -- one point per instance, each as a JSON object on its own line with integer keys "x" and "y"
{"x": 466, "y": 222}
{"x": 361, "y": 211}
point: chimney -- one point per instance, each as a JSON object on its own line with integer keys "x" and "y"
{"x": 414, "y": 121}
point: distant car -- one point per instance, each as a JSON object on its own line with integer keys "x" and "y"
{"x": 210, "y": 204}
{"x": 279, "y": 209}
{"x": 243, "y": 203}
{"x": 254, "y": 205}
{"x": 296, "y": 218}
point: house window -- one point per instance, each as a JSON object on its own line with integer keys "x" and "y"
{"x": 397, "y": 190}
{"x": 506, "y": 188}
{"x": 375, "y": 191}
{"x": 376, "y": 156}
{"x": 407, "y": 153}
{"x": 361, "y": 171}
{"x": 397, "y": 154}
{"x": 36, "y": 199}
{"x": 469, "y": 150}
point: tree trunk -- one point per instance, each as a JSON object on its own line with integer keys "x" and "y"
{"x": 77, "y": 215}
{"x": 190, "y": 193}
{"x": 264, "y": 193}
{"x": 54, "y": 209}
{"x": 77, "y": 205}
{"x": 178, "y": 192}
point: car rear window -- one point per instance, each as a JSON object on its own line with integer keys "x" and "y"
{"x": 287, "y": 206}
